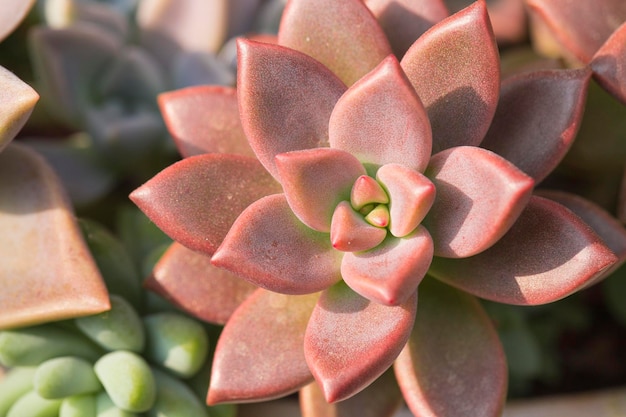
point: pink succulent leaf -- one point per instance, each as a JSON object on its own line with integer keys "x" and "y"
{"x": 185, "y": 114}
{"x": 47, "y": 272}
{"x": 406, "y": 20}
{"x": 344, "y": 36}
{"x": 250, "y": 366}
{"x": 366, "y": 190}
{"x": 453, "y": 357}
{"x": 285, "y": 99}
{"x": 608, "y": 64}
{"x": 580, "y": 27}
{"x": 350, "y": 232}
{"x": 537, "y": 119}
{"x": 411, "y": 195}
{"x": 455, "y": 70}
{"x": 196, "y": 200}
{"x": 390, "y": 273}
{"x": 479, "y": 197}
{"x": 610, "y": 230}
{"x": 381, "y": 120}
{"x": 189, "y": 280}
{"x": 548, "y": 254}
{"x": 350, "y": 341}
{"x": 315, "y": 181}
{"x": 271, "y": 248}
{"x": 13, "y": 12}
{"x": 67, "y": 63}
{"x": 380, "y": 399}
{"x": 16, "y": 104}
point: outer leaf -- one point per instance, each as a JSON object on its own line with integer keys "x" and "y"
{"x": 580, "y": 27}
{"x": 479, "y": 196}
{"x": 285, "y": 99}
{"x": 315, "y": 181}
{"x": 390, "y": 273}
{"x": 406, "y": 20}
{"x": 350, "y": 341}
{"x": 455, "y": 70}
{"x": 188, "y": 280}
{"x": 271, "y": 248}
{"x": 453, "y": 364}
{"x": 607, "y": 64}
{"x": 344, "y": 36}
{"x": 380, "y": 399}
{"x": 185, "y": 112}
{"x": 537, "y": 119}
{"x": 16, "y": 104}
{"x": 380, "y": 119}
{"x": 67, "y": 63}
{"x": 13, "y": 12}
{"x": 196, "y": 200}
{"x": 250, "y": 366}
{"x": 548, "y": 254}
{"x": 47, "y": 271}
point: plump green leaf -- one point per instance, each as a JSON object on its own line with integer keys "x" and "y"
{"x": 65, "y": 376}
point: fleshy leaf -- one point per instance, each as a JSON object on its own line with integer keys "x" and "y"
{"x": 344, "y": 36}
{"x": 250, "y": 366}
{"x": 196, "y": 200}
{"x": 390, "y": 273}
{"x": 608, "y": 64}
{"x": 272, "y": 249}
{"x": 479, "y": 196}
{"x": 411, "y": 195}
{"x": 350, "y": 232}
{"x": 580, "y": 27}
{"x": 380, "y": 399}
{"x": 537, "y": 119}
{"x": 455, "y": 70}
{"x": 47, "y": 271}
{"x": 188, "y": 280}
{"x": 406, "y": 20}
{"x": 13, "y": 12}
{"x": 453, "y": 358}
{"x": 185, "y": 112}
{"x": 548, "y": 254}
{"x": 350, "y": 341}
{"x": 285, "y": 99}
{"x": 16, "y": 104}
{"x": 380, "y": 119}
{"x": 366, "y": 190}
{"x": 315, "y": 181}
{"x": 67, "y": 63}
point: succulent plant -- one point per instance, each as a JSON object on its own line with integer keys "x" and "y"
{"x": 372, "y": 182}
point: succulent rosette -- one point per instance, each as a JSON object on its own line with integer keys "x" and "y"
{"x": 371, "y": 185}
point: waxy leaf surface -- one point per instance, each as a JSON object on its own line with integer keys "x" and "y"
{"x": 16, "y": 104}
{"x": 608, "y": 64}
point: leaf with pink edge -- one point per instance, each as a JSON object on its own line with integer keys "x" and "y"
{"x": 250, "y": 366}
{"x": 66, "y": 63}
{"x": 537, "y": 119}
{"x": 315, "y": 181}
{"x": 196, "y": 200}
{"x": 285, "y": 99}
{"x": 268, "y": 246}
{"x": 13, "y": 12}
{"x": 16, "y": 104}
{"x": 47, "y": 270}
{"x": 453, "y": 357}
{"x": 185, "y": 112}
{"x": 380, "y": 119}
{"x": 608, "y": 64}
{"x": 390, "y": 273}
{"x": 406, "y": 20}
{"x": 189, "y": 280}
{"x": 344, "y": 36}
{"x": 548, "y": 254}
{"x": 380, "y": 399}
{"x": 455, "y": 70}
{"x": 350, "y": 232}
{"x": 574, "y": 29}
{"x": 350, "y": 341}
{"x": 479, "y": 197}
